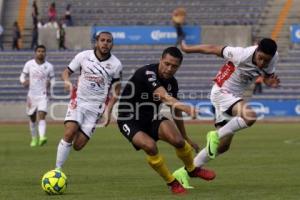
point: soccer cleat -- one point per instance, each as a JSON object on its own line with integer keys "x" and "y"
{"x": 212, "y": 144}
{"x": 182, "y": 176}
{"x": 34, "y": 142}
{"x": 205, "y": 174}
{"x": 42, "y": 141}
{"x": 176, "y": 187}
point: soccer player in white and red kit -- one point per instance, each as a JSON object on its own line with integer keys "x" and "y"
{"x": 242, "y": 67}
{"x": 100, "y": 73}
{"x": 37, "y": 74}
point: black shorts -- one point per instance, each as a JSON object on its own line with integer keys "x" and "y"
{"x": 130, "y": 127}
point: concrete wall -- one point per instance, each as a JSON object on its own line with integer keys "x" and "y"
{"x": 79, "y": 37}
{"x": 1, "y": 11}
{"x": 47, "y": 37}
{"x": 227, "y": 35}
{"x": 17, "y": 111}
{"x": 76, "y": 38}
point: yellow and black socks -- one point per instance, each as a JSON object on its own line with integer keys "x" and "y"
{"x": 186, "y": 155}
{"x": 158, "y": 164}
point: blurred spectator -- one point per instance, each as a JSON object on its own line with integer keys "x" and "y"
{"x": 258, "y": 85}
{"x": 61, "y": 35}
{"x": 16, "y": 36}
{"x": 52, "y": 12}
{"x": 35, "y": 37}
{"x": 68, "y": 16}
{"x": 63, "y": 23}
{"x": 41, "y": 24}
{"x": 1, "y": 37}
{"x": 51, "y": 24}
{"x": 34, "y": 13}
{"x": 178, "y": 19}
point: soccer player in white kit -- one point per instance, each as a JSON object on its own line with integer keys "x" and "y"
{"x": 41, "y": 76}
{"x": 242, "y": 67}
{"x": 100, "y": 73}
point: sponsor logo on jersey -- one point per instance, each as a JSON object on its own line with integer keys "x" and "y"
{"x": 40, "y": 76}
{"x": 224, "y": 73}
{"x": 150, "y": 72}
{"x": 151, "y": 76}
{"x": 95, "y": 79}
{"x": 151, "y": 79}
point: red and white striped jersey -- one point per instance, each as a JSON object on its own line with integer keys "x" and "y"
{"x": 239, "y": 72}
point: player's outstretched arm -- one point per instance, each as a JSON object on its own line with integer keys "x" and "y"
{"x": 116, "y": 90}
{"x": 65, "y": 76}
{"x": 177, "y": 117}
{"x": 202, "y": 48}
{"x": 172, "y": 102}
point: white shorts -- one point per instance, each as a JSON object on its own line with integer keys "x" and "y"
{"x": 36, "y": 104}
{"x": 222, "y": 100}
{"x": 86, "y": 119}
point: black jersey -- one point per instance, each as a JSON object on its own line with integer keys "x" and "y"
{"x": 137, "y": 99}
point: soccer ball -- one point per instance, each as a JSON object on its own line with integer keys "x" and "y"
{"x": 54, "y": 182}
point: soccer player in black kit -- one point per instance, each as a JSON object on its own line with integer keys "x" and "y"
{"x": 141, "y": 123}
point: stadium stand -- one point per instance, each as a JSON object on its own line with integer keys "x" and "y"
{"x": 143, "y": 12}
{"x": 195, "y": 76}
{"x": 197, "y": 72}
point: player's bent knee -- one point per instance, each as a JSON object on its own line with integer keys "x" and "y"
{"x": 150, "y": 148}
{"x": 69, "y": 135}
{"x": 179, "y": 143}
{"x": 77, "y": 147}
{"x": 251, "y": 118}
{"x": 224, "y": 148}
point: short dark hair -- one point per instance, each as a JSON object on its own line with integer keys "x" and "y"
{"x": 104, "y": 32}
{"x": 267, "y": 46}
{"x": 173, "y": 51}
{"x": 40, "y": 47}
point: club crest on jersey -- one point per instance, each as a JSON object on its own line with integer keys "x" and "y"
{"x": 229, "y": 55}
{"x": 169, "y": 88}
{"x": 108, "y": 66}
{"x": 245, "y": 78}
{"x": 90, "y": 60}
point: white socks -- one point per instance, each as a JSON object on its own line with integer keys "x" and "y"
{"x": 42, "y": 128}
{"x": 235, "y": 124}
{"x": 201, "y": 158}
{"x": 32, "y": 127}
{"x": 63, "y": 151}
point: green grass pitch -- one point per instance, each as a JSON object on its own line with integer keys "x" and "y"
{"x": 263, "y": 163}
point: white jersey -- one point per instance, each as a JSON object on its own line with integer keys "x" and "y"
{"x": 95, "y": 78}
{"x": 39, "y": 75}
{"x": 239, "y": 72}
